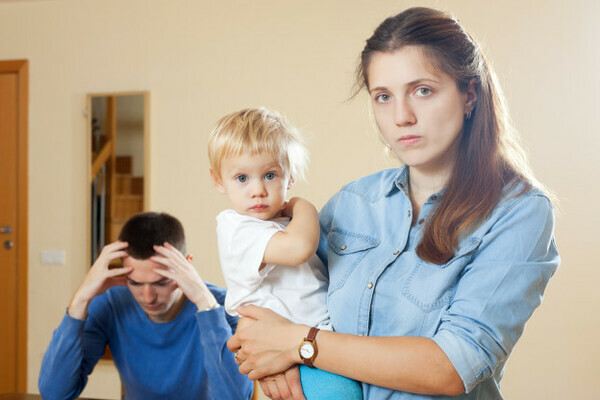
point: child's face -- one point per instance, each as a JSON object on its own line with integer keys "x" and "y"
{"x": 255, "y": 184}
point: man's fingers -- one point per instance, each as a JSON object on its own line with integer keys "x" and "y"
{"x": 169, "y": 251}
{"x": 292, "y": 377}
{"x": 111, "y": 273}
{"x": 273, "y": 390}
{"x": 168, "y": 273}
{"x": 234, "y": 344}
{"x": 282, "y": 387}
{"x": 116, "y": 245}
{"x": 264, "y": 385}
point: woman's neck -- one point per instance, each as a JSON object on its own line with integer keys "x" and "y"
{"x": 423, "y": 184}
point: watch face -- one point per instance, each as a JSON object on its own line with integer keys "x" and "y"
{"x": 307, "y": 350}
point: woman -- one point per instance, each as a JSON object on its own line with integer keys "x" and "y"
{"x": 434, "y": 267}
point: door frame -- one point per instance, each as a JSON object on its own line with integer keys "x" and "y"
{"x": 21, "y": 69}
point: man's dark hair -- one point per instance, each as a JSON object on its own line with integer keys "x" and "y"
{"x": 144, "y": 230}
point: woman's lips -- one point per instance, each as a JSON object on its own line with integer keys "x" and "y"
{"x": 409, "y": 139}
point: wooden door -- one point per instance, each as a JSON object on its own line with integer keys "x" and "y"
{"x": 13, "y": 225}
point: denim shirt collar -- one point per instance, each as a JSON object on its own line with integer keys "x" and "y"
{"x": 400, "y": 181}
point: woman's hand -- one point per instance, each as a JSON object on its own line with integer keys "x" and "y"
{"x": 99, "y": 278}
{"x": 267, "y": 347}
{"x": 285, "y": 386}
{"x": 179, "y": 269}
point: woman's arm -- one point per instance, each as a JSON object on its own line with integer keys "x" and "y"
{"x": 298, "y": 243}
{"x": 496, "y": 294}
{"x": 410, "y": 364}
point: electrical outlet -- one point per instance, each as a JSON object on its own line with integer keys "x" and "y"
{"x": 53, "y": 257}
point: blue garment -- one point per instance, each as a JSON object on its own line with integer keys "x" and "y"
{"x": 474, "y": 307}
{"x": 318, "y": 384}
{"x": 186, "y": 358}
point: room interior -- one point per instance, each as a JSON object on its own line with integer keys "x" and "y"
{"x": 199, "y": 60}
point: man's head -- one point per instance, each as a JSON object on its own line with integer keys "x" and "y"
{"x": 144, "y": 230}
{"x": 160, "y": 297}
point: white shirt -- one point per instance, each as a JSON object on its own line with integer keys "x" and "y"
{"x": 298, "y": 293}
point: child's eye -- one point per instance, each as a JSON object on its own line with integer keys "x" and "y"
{"x": 241, "y": 178}
{"x": 270, "y": 176}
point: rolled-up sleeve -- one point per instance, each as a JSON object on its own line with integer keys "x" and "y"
{"x": 500, "y": 288}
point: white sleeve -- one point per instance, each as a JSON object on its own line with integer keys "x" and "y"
{"x": 242, "y": 244}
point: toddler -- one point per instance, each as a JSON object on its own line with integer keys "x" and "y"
{"x": 267, "y": 244}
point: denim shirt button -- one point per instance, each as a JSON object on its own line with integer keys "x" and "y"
{"x": 396, "y": 252}
{"x": 421, "y": 221}
{"x": 409, "y": 213}
{"x": 370, "y": 285}
{"x": 343, "y": 247}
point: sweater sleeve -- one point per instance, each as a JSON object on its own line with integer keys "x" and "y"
{"x": 75, "y": 348}
{"x": 223, "y": 376}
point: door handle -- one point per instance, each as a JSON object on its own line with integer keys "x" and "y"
{"x": 6, "y": 229}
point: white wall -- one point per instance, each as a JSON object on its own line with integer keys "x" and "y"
{"x": 202, "y": 59}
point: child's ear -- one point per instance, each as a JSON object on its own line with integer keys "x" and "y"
{"x": 290, "y": 183}
{"x": 217, "y": 182}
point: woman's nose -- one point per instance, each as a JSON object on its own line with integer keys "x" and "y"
{"x": 403, "y": 113}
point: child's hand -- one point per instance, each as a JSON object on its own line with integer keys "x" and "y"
{"x": 288, "y": 207}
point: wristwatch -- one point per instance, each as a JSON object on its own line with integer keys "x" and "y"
{"x": 308, "y": 348}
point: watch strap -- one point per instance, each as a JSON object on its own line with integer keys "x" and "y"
{"x": 310, "y": 338}
{"x": 312, "y": 334}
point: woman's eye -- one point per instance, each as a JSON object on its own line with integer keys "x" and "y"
{"x": 382, "y": 98}
{"x": 270, "y": 176}
{"x": 423, "y": 91}
{"x": 241, "y": 178}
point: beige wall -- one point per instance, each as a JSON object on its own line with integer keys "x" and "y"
{"x": 201, "y": 59}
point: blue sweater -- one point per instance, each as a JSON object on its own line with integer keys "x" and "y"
{"x": 186, "y": 358}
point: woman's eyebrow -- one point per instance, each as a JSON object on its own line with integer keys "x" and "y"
{"x": 408, "y": 84}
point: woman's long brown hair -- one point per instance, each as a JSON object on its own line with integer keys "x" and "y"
{"x": 489, "y": 155}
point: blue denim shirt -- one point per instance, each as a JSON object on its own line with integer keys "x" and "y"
{"x": 474, "y": 307}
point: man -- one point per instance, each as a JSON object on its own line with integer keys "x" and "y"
{"x": 167, "y": 330}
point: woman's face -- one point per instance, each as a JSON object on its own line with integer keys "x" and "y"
{"x": 419, "y": 109}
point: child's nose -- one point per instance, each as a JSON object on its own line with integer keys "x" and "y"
{"x": 258, "y": 189}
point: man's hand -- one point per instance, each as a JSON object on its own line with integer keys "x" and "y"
{"x": 283, "y": 386}
{"x": 99, "y": 278}
{"x": 179, "y": 269}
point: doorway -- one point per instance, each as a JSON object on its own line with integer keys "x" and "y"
{"x": 14, "y": 80}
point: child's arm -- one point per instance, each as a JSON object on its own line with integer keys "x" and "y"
{"x": 298, "y": 243}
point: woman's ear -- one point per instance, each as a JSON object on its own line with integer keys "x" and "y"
{"x": 471, "y": 99}
{"x": 217, "y": 181}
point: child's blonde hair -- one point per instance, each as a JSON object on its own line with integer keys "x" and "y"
{"x": 258, "y": 131}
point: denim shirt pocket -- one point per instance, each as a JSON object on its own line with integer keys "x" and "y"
{"x": 346, "y": 250}
{"x": 431, "y": 286}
